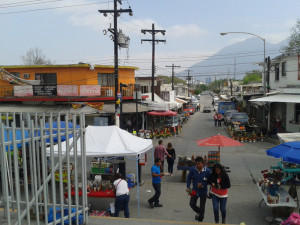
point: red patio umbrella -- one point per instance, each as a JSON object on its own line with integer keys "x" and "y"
{"x": 218, "y": 140}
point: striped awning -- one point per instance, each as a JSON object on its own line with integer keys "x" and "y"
{"x": 286, "y": 98}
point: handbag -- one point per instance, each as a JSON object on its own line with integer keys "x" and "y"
{"x": 209, "y": 194}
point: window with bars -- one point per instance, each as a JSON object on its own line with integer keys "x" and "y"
{"x": 277, "y": 73}
{"x": 297, "y": 112}
{"x": 106, "y": 79}
{"x": 46, "y": 78}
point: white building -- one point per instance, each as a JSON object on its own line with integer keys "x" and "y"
{"x": 283, "y": 93}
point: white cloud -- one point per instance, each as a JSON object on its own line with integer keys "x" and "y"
{"x": 189, "y": 30}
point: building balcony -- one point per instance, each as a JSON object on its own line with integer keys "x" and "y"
{"x": 61, "y": 92}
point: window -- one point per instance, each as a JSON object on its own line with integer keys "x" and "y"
{"x": 17, "y": 74}
{"x": 276, "y": 73}
{"x": 297, "y": 112}
{"x": 106, "y": 79}
{"x": 283, "y": 69}
{"x": 46, "y": 78}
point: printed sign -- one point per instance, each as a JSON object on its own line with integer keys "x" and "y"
{"x": 89, "y": 90}
{"x": 67, "y": 90}
{"x": 44, "y": 90}
{"x": 23, "y": 91}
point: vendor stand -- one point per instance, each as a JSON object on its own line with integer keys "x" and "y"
{"x": 271, "y": 187}
{"x": 107, "y": 142}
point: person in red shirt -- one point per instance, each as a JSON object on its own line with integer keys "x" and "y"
{"x": 216, "y": 119}
{"x": 220, "y": 183}
{"x": 219, "y": 119}
{"x": 160, "y": 152}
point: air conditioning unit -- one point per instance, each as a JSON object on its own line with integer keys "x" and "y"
{"x": 26, "y": 75}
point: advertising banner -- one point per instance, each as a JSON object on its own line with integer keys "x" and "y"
{"x": 44, "y": 90}
{"x": 23, "y": 91}
{"x": 89, "y": 90}
{"x": 67, "y": 90}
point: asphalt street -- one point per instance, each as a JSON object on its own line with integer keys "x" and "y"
{"x": 245, "y": 164}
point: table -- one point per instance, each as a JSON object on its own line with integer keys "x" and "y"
{"x": 95, "y": 194}
{"x": 184, "y": 169}
{"x": 282, "y": 200}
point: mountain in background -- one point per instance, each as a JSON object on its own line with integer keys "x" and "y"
{"x": 233, "y": 61}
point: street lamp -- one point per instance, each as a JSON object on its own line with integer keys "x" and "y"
{"x": 121, "y": 104}
{"x": 264, "y": 40}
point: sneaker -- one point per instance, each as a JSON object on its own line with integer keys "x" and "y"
{"x": 158, "y": 205}
{"x": 150, "y": 204}
{"x": 223, "y": 221}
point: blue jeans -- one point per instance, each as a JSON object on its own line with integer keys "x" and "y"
{"x": 120, "y": 203}
{"x": 155, "y": 198}
{"x": 216, "y": 202}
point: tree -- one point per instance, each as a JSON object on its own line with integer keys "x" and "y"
{"x": 254, "y": 76}
{"x": 294, "y": 39}
{"x": 35, "y": 56}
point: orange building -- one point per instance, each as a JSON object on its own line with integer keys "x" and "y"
{"x": 76, "y": 82}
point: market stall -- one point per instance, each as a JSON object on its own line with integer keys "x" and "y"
{"x": 274, "y": 182}
{"x": 108, "y": 142}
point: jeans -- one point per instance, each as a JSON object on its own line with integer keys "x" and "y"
{"x": 216, "y": 202}
{"x": 219, "y": 123}
{"x": 120, "y": 203}
{"x": 157, "y": 188}
{"x": 216, "y": 122}
{"x": 170, "y": 165}
{"x": 200, "y": 210}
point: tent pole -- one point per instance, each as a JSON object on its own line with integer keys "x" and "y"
{"x": 153, "y": 155}
{"x": 137, "y": 185}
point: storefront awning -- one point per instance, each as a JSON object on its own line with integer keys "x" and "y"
{"x": 279, "y": 98}
{"x": 162, "y": 113}
{"x": 181, "y": 101}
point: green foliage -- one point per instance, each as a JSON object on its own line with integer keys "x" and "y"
{"x": 254, "y": 76}
{"x": 168, "y": 80}
{"x": 196, "y": 92}
{"x": 294, "y": 39}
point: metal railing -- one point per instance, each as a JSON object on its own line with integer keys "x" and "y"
{"x": 33, "y": 159}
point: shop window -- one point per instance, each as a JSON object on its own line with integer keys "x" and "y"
{"x": 297, "y": 112}
{"x": 46, "y": 78}
{"x": 283, "y": 69}
{"x": 106, "y": 79}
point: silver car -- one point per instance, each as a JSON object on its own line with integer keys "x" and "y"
{"x": 227, "y": 116}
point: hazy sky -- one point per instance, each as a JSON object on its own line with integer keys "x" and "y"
{"x": 69, "y": 31}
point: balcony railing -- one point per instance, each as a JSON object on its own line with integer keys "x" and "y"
{"x": 62, "y": 91}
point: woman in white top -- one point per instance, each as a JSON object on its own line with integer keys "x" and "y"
{"x": 122, "y": 196}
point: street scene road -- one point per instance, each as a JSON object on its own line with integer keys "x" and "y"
{"x": 245, "y": 163}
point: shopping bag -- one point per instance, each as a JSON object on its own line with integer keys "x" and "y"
{"x": 294, "y": 219}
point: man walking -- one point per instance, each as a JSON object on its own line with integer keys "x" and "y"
{"x": 198, "y": 175}
{"x": 156, "y": 183}
{"x": 160, "y": 152}
{"x": 219, "y": 119}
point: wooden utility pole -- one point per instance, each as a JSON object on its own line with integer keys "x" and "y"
{"x": 153, "y": 40}
{"x": 173, "y": 66}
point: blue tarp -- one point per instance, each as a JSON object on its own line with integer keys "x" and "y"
{"x": 63, "y": 126}
{"x": 289, "y": 152}
{"x": 10, "y": 138}
{"x": 66, "y": 212}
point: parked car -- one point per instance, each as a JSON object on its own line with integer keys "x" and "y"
{"x": 190, "y": 109}
{"x": 227, "y": 116}
{"x": 206, "y": 109}
{"x": 239, "y": 117}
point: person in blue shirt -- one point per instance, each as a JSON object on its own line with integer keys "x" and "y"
{"x": 198, "y": 175}
{"x": 156, "y": 183}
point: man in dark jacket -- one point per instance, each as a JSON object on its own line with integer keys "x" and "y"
{"x": 198, "y": 175}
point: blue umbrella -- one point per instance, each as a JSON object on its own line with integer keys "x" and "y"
{"x": 289, "y": 152}
{"x": 63, "y": 126}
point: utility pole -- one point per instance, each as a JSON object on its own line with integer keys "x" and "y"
{"x": 116, "y": 12}
{"x": 173, "y": 66}
{"x": 189, "y": 78}
{"x": 153, "y": 40}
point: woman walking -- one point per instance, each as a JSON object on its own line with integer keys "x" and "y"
{"x": 220, "y": 183}
{"x": 170, "y": 158}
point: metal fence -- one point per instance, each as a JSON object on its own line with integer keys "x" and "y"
{"x": 40, "y": 176}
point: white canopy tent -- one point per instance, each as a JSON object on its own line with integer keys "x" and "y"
{"x": 107, "y": 141}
